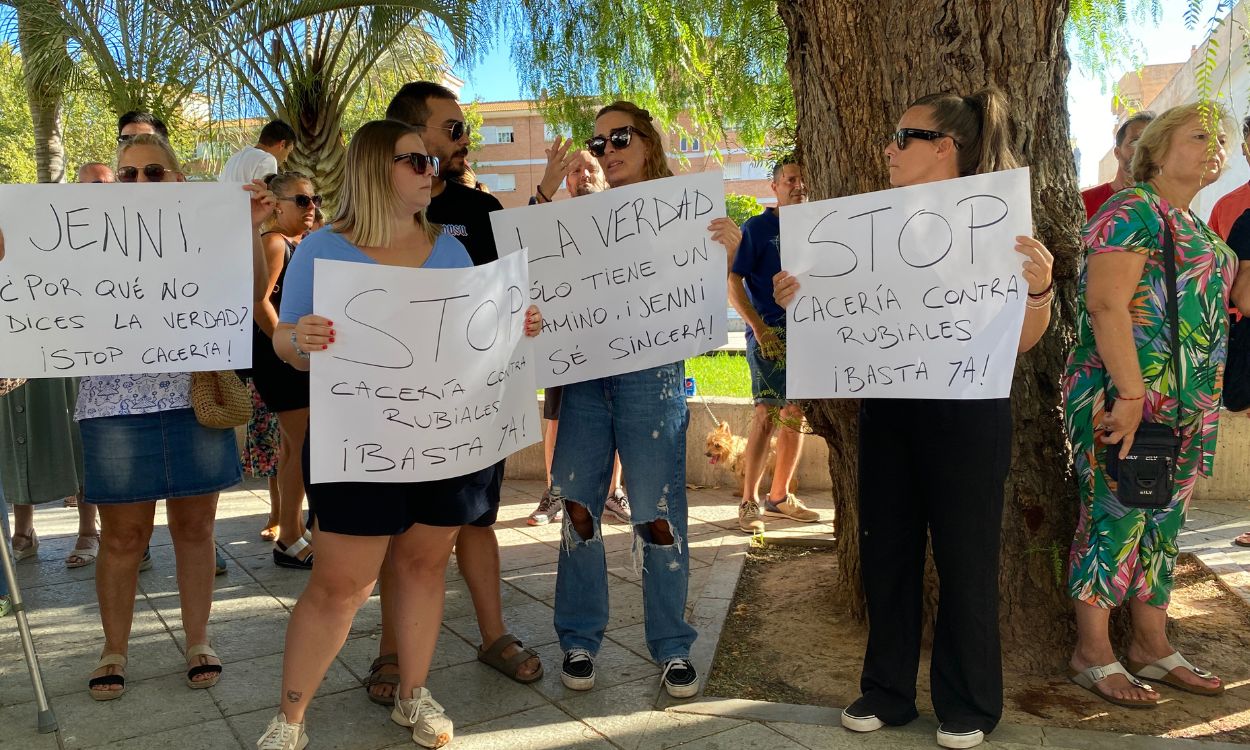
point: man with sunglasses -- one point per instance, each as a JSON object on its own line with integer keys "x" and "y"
{"x": 751, "y": 293}
{"x": 273, "y": 147}
{"x": 464, "y": 213}
{"x": 135, "y": 123}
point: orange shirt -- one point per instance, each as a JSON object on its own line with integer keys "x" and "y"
{"x": 1227, "y": 209}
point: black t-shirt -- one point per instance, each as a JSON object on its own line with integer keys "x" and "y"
{"x": 463, "y": 213}
{"x": 1239, "y": 237}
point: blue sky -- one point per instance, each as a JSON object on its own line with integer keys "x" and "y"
{"x": 1089, "y": 99}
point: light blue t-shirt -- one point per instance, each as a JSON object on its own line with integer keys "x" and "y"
{"x": 297, "y": 287}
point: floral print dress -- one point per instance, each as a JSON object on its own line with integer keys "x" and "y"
{"x": 1118, "y": 552}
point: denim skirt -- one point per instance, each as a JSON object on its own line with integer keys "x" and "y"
{"x": 135, "y": 458}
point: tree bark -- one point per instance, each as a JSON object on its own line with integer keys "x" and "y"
{"x": 855, "y": 66}
{"x": 42, "y": 92}
{"x": 320, "y": 151}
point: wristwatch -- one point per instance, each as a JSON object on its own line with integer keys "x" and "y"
{"x": 295, "y": 343}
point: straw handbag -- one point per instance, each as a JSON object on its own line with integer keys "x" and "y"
{"x": 220, "y": 399}
{"x": 8, "y": 385}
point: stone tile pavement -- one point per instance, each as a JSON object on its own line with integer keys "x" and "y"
{"x": 627, "y": 709}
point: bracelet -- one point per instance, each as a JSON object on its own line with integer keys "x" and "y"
{"x": 1133, "y": 398}
{"x": 539, "y": 189}
{"x": 1039, "y": 303}
{"x": 1045, "y": 291}
{"x": 298, "y": 351}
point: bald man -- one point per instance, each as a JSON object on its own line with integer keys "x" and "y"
{"x": 94, "y": 171}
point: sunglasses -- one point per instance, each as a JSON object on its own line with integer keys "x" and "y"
{"x": 620, "y": 138}
{"x": 304, "y": 201}
{"x": 421, "y": 163}
{"x": 456, "y": 130}
{"x": 154, "y": 173}
{"x": 901, "y": 135}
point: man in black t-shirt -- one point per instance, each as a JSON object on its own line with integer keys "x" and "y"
{"x": 464, "y": 214}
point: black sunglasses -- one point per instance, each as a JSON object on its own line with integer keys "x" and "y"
{"x": 456, "y": 130}
{"x": 421, "y": 163}
{"x": 620, "y": 138}
{"x": 304, "y": 201}
{"x": 154, "y": 173}
{"x": 901, "y": 135}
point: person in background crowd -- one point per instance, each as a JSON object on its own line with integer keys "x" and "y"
{"x": 363, "y": 527}
{"x": 129, "y": 125}
{"x": 1120, "y": 374}
{"x": 94, "y": 171}
{"x": 950, "y": 494}
{"x": 643, "y": 415}
{"x": 284, "y": 389}
{"x": 1230, "y": 207}
{"x": 273, "y": 147}
{"x": 142, "y": 443}
{"x": 6, "y": 602}
{"x": 1125, "y": 146}
{"x": 581, "y": 174}
{"x": 135, "y": 123}
{"x": 1239, "y": 241}
{"x": 463, "y": 213}
{"x": 751, "y": 293}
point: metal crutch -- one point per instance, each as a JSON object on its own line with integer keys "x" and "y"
{"x": 47, "y": 720}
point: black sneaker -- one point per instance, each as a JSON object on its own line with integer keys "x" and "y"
{"x": 578, "y": 670}
{"x": 679, "y": 678}
{"x": 857, "y": 717}
{"x": 958, "y": 735}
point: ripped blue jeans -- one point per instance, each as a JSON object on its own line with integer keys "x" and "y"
{"x": 643, "y": 416}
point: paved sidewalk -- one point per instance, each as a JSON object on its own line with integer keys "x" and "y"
{"x": 627, "y": 709}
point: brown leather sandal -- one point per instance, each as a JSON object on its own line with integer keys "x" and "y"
{"x": 510, "y": 666}
{"x": 376, "y": 677}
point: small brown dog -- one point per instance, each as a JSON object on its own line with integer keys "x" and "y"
{"x": 724, "y": 448}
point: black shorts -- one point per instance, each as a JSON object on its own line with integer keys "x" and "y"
{"x": 551, "y": 402}
{"x": 281, "y": 387}
{"x": 388, "y": 509}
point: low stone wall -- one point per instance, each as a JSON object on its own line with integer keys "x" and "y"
{"x": 1231, "y": 479}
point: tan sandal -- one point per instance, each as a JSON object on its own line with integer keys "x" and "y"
{"x": 1089, "y": 679}
{"x": 510, "y": 666}
{"x": 81, "y": 557}
{"x": 376, "y": 677}
{"x": 1161, "y": 672}
{"x": 97, "y": 685}
{"x": 214, "y": 670}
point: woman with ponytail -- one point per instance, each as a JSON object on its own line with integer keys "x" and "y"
{"x": 952, "y": 492}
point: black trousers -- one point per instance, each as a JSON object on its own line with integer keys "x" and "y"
{"x": 933, "y": 469}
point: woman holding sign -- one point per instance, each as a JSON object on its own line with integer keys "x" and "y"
{"x": 142, "y": 443}
{"x": 643, "y": 416}
{"x": 360, "y": 527}
{"x": 1143, "y": 362}
{"x": 943, "y": 482}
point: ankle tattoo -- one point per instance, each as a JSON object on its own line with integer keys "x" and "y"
{"x": 294, "y": 696}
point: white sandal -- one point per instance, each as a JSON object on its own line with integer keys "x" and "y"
{"x": 1161, "y": 671}
{"x": 1088, "y": 679}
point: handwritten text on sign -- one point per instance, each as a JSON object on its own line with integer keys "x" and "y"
{"x": 626, "y": 279}
{"x": 908, "y": 293}
{"x": 110, "y": 279}
{"x": 422, "y": 382}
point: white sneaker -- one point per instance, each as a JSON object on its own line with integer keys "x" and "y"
{"x": 617, "y": 504}
{"x": 282, "y": 735}
{"x": 430, "y": 726}
{"x": 958, "y": 736}
{"x": 857, "y": 718}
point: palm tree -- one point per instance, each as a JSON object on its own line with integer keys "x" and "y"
{"x": 304, "y": 62}
{"x": 39, "y": 39}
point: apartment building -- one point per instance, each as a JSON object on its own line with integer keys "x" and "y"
{"x": 512, "y": 156}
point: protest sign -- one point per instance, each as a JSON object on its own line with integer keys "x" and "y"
{"x": 115, "y": 279}
{"x": 430, "y": 376}
{"x": 915, "y": 292}
{"x": 626, "y": 279}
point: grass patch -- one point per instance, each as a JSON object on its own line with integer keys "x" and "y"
{"x": 720, "y": 374}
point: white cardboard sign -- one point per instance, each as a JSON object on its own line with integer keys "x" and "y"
{"x": 115, "y": 279}
{"x": 430, "y": 376}
{"x": 914, "y": 292}
{"x": 626, "y": 279}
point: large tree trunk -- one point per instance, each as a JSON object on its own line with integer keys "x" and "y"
{"x": 43, "y": 91}
{"x": 855, "y": 66}
{"x": 320, "y": 151}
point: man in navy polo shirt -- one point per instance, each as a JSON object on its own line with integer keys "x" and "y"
{"x": 751, "y": 293}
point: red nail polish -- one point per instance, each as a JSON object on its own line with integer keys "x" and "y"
{"x": 325, "y": 346}
{"x": 331, "y": 339}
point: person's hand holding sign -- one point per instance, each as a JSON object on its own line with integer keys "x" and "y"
{"x": 533, "y": 321}
{"x": 785, "y": 286}
{"x": 727, "y": 233}
{"x": 314, "y": 333}
{"x": 1037, "y": 264}
{"x": 263, "y": 202}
